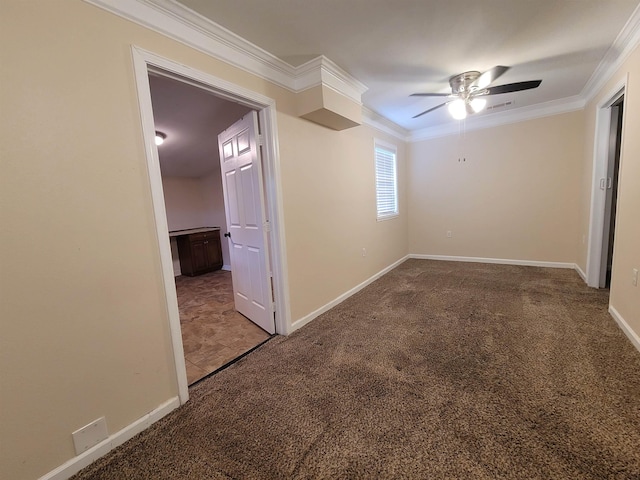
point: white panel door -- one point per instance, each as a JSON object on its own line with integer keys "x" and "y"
{"x": 243, "y": 193}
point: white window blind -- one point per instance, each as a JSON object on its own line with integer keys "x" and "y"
{"x": 386, "y": 182}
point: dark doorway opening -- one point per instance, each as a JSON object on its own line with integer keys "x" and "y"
{"x": 610, "y": 184}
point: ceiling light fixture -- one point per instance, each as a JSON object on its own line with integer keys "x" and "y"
{"x": 160, "y": 138}
{"x": 469, "y": 88}
{"x": 458, "y": 109}
{"x": 478, "y": 104}
{"x": 461, "y": 107}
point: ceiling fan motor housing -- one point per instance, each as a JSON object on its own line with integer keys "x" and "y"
{"x": 460, "y": 84}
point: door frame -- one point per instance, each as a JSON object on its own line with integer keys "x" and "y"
{"x": 598, "y": 196}
{"x": 145, "y": 62}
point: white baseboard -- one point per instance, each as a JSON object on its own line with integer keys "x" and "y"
{"x": 78, "y": 462}
{"x": 633, "y": 336}
{"x": 226, "y": 267}
{"x": 531, "y": 263}
{"x": 505, "y": 261}
{"x": 580, "y": 272}
{"x": 307, "y": 318}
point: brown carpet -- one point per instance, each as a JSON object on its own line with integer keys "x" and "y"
{"x": 439, "y": 370}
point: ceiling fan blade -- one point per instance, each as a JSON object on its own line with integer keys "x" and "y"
{"x": 430, "y": 95}
{"x": 431, "y": 109}
{"x": 488, "y": 77}
{"x": 513, "y": 87}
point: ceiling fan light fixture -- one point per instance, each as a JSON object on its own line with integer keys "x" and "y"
{"x": 458, "y": 109}
{"x": 478, "y": 104}
{"x": 160, "y": 138}
{"x": 469, "y": 88}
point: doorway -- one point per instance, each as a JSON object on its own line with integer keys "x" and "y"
{"x": 610, "y": 184}
{"x": 188, "y": 118}
{"x": 609, "y": 129}
{"x": 146, "y": 63}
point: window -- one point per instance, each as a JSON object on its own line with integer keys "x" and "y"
{"x": 386, "y": 181}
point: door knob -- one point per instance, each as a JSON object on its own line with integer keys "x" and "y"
{"x": 228, "y": 234}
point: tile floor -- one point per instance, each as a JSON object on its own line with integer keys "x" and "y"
{"x": 213, "y": 333}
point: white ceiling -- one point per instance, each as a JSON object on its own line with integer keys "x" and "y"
{"x": 191, "y": 118}
{"x": 404, "y": 46}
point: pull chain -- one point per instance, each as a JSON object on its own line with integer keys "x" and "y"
{"x": 462, "y": 140}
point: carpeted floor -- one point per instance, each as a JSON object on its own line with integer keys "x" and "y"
{"x": 438, "y": 370}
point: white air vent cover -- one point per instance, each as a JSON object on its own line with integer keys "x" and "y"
{"x": 501, "y": 105}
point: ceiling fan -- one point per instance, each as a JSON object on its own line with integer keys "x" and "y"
{"x": 469, "y": 88}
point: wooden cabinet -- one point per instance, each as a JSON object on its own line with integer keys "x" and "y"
{"x": 199, "y": 252}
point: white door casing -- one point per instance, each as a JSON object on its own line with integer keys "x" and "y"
{"x": 241, "y": 166}
{"x": 145, "y": 62}
{"x": 609, "y": 185}
{"x": 598, "y": 198}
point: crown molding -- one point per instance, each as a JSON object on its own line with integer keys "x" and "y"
{"x": 377, "y": 121}
{"x": 624, "y": 44}
{"x": 174, "y": 20}
{"x": 530, "y": 112}
{"x": 322, "y": 71}
{"x": 186, "y": 26}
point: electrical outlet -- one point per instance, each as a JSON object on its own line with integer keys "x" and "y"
{"x": 634, "y": 277}
{"x": 449, "y": 234}
{"x": 364, "y": 252}
{"x": 90, "y": 435}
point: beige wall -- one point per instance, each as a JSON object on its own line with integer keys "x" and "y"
{"x": 214, "y": 200}
{"x": 625, "y": 297}
{"x": 332, "y": 179}
{"x": 196, "y": 202}
{"x": 586, "y": 180}
{"x": 185, "y": 204}
{"x": 84, "y": 327}
{"x": 515, "y": 197}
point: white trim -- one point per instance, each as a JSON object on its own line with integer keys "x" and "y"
{"x": 222, "y": 88}
{"x": 307, "y": 318}
{"x": 505, "y": 261}
{"x": 598, "y": 197}
{"x": 377, "y": 121}
{"x": 182, "y": 24}
{"x": 490, "y": 120}
{"x": 140, "y": 60}
{"x": 624, "y": 326}
{"x": 322, "y": 71}
{"x": 144, "y": 62}
{"x": 77, "y": 463}
{"x": 186, "y": 26}
{"x": 226, "y": 268}
{"x": 387, "y": 217}
{"x": 624, "y": 44}
{"x": 580, "y": 272}
{"x": 391, "y": 148}
{"x": 275, "y": 211}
